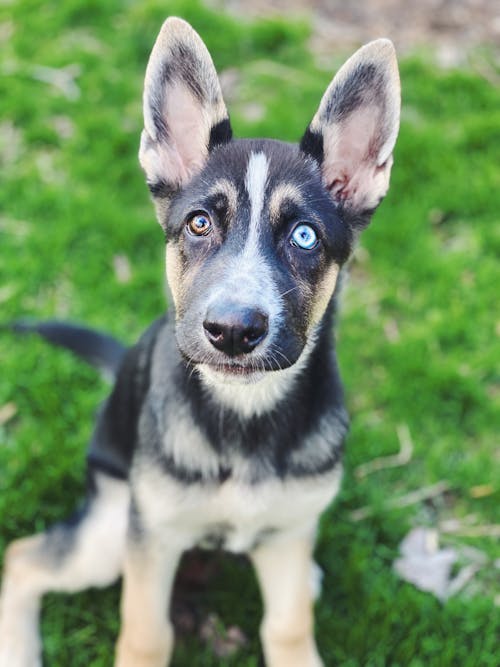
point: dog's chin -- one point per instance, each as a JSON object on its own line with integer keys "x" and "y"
{"x": 234, "y": 374}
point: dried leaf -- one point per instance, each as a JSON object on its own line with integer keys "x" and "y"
{"x": 423, "y": 564}
{"x": 482, "y": 490}
{"x": 121, "y": 266}
{"x": 391, "y": 330}
{"x": 7, "y": 411}
{"x": 429, "y": 568}
{"x": 63, "y": 79}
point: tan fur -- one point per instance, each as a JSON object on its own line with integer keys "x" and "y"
{"x": 146, "y": 636}
{"x": 20, "y": 563}
{"x": 282, "y": 193}
{"x": 174, "y": 272}
{"x": 161, "y": 205}
{"x": 31, "y": 570}
{"x": 323, "y": 294}
{"x": 180, "y": 280}
{"x": 20, "y": 604}
{"x": 284, "y": 572}
{"x": 228, "y": 189}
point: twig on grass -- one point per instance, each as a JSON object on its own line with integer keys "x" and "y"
{"x": 486, "y": 530}
{"x": 406, "y": 500}
{"x": 401, "y": 458}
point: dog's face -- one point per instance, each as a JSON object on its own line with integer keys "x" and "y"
{"x": 257, "y": 230}
{"x": 254, "y": 249}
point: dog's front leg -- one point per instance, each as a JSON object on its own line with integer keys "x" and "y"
{"x": 146, "y": 636}
{"x": 284, "y": 570}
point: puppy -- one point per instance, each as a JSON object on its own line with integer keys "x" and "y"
{"x": 226, "y": 421}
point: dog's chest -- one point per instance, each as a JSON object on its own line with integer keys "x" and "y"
{"x": 233, "y": 515}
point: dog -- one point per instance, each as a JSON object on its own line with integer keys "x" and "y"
{"x": 226, "y": 423}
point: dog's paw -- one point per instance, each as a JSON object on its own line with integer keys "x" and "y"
{"x": 126, "y": 656}
{"x": 20, "y": 644}
{"x": 293, "y": 661}
{"x": 139, "y": 660}
{"x": 17, "y": 650}
{"x": 302, "y": 653}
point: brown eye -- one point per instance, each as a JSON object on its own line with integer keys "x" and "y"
{"x": 199, "y": 224}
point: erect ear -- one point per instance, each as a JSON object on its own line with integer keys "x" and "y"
{"x": 353, "y": 133}
{"x": 184, "y": 113}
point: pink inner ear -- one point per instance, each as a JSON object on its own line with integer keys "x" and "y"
{"x": 185, "y": 149}
{"x": 353, "y": 149}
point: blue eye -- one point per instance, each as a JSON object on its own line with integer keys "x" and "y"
{"x": 304, "y": 237}
{"x": 199, "y": 224}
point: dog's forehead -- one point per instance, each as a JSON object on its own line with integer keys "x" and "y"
{"x": 253, "y": 183}
{"x": 259, "y": 171}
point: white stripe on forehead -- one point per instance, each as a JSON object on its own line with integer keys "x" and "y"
{"x": 255, "y": 183}
{"x": 246, "y": 277}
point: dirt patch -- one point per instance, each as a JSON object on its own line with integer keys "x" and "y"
{"x": 452, "y": 29}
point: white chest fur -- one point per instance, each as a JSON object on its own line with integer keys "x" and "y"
{"x": 185, "y": 515}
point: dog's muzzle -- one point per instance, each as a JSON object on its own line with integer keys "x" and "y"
{"x": 235, "y": 329}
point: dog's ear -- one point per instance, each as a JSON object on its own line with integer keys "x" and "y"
{"x": 353, "y": 133}
{"x": 184, "y": 113}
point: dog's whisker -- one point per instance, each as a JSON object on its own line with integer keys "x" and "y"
{"x": 288, "y": 291}
{"x": 282, "y": 354}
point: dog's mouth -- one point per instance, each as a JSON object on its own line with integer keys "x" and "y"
{"x": 237, "y": 369}
{"x": 249, "y": 367}
{"x": 230, "y": 374}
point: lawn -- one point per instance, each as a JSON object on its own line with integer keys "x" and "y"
{"x": 418, "y": 337}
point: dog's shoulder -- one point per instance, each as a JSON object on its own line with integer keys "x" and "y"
{"x": 115, "y": 435}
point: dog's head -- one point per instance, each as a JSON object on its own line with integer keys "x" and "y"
{"x": 257, "y": 230}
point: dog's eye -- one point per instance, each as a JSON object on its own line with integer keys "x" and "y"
{"x": 199, "y": 224}
{"x": 304, "y": 237}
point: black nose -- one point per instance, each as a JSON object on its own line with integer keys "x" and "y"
{"x": 235, "y": 329}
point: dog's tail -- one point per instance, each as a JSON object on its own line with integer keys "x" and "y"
{"x": 97, "y": 349}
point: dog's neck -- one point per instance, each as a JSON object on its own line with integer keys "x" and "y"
{"x": 248, "y": 420}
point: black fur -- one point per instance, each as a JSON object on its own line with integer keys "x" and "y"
{"x": 161, "y": 189}
{"x": 312, "y": 144}
{"x": 115, "y": 436}
{"x": 183, "y": 64}
{"x": 220, "y": 134}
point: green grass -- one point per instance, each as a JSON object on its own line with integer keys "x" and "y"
{"x": 418, "y": 339}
